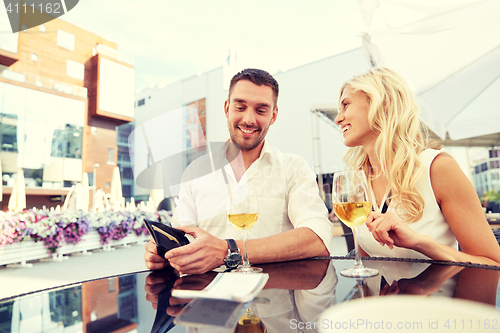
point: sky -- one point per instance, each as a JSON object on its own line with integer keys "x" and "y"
{"x": 173, "y": 40}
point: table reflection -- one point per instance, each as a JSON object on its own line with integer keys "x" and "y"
{"x": 104, "y": 305}
{"x": 296, "y": 293}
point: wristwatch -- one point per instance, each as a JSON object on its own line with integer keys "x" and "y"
{"x": 233, "y": 258}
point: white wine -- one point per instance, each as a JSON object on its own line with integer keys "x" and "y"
{"x": 243, "y": 221}
{"x": 250, "y": 323}
{"x": 353, "y": 213}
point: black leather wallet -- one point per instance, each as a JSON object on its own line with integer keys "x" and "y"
{"x": 163, "y": 321}
{"x": 166, "y": 238}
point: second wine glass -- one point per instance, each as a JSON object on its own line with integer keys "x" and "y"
{"x": 352, "y": 206}
{"x": 242, "y": 214}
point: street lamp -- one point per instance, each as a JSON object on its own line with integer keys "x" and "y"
{"x": 95, "y": 166}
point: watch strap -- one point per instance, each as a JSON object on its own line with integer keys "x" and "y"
{"x": 231, "y": 245}
{"x": 232, "y": 252}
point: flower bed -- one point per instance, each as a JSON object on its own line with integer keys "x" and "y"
{"x": 57, "y": 229}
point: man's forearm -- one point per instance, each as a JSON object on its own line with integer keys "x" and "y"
{"x": 294, "y": 244}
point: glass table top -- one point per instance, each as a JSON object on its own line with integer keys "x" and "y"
{"x": 295, "y": 296}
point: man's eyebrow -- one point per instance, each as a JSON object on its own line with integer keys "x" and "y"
{"x": 239, "y": 100}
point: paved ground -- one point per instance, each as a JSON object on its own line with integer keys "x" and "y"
{"x": 15, "y": 281}
{"x": 43, "y": 275}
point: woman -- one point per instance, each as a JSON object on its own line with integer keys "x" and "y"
{"x": 430, "y": 202}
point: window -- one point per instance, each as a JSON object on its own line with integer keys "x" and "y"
{"x": 141, "y": 102}
{"x": 75, "y": 69}
{"x": 9, "y": 134}
{"x": 494, "y": 164}
{"x": 127, "y": 173}
{"x": 66, "y": 40}
{"x": 127, "y": 190}
{"x": 34, "y": 57}
{"x": 111, "y": 155}
{"x": 484, "y": 167}
{"x": 123, "y": 154}
{"x": 67, "y": 141}
{"x": 65, "y": 307}
{"x": 123, "y": 137}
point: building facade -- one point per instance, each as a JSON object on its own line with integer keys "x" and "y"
{"x": 486, "y": 173}
{"x": 63, "y": 91}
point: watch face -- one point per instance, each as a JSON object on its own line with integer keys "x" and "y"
{"x": 233, "y": 260}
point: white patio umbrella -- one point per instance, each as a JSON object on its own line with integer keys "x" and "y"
{"x": 100, "y": 202}
{"x": 157, "y": 194}
{"x": 130, "y": 206}
{"x": 13, "y": 198}
{"x": 17, "y": 201}
{"x": 449, "y": 52}
{"x": 116, "y": 189}
{"x": 86, "y": 189}
{"x": 75, "y": 199}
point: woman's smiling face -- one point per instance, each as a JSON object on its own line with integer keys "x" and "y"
{"x": 353, "y": 119}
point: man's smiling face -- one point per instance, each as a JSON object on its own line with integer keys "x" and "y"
{"x": 250, "y": 110}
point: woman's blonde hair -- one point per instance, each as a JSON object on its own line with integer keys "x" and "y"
{"x": 394, "y": 116}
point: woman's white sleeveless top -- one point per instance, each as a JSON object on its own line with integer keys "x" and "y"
{"x": 431, "y": 224}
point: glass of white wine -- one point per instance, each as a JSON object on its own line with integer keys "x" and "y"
{"x": 243, "y": 215}
{"x": 250, "y": 323}
{"x": 352, "y": 206}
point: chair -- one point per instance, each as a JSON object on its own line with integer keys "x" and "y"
{"x": 496, "y": 232}
{"x": 165, "y": 204}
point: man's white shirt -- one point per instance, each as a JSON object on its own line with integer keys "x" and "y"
{"x": 285, "y": 187}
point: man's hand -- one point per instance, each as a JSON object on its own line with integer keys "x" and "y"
{"x": 205, "y": 253}
{"x": 156, "y": 282}
{"x": 152, "y": 259}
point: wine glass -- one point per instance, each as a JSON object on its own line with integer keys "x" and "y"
{"x": 352, "y": 206}
{"x": 242, "y": 214}
{"x": 250, "y": 323}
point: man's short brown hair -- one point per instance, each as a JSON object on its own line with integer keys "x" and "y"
{"x": 258, "y": 77}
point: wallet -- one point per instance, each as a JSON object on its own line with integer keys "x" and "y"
{"x": 163, "y": 321}
{"x": 166, "y": 238}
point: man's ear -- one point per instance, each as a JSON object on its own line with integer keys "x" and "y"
{"x": 226, "y": 108}
{"x": 275, "y": 115}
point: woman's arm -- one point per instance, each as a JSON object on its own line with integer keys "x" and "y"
{"x": 462, "y": 210}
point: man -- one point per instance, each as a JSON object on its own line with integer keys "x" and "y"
{"x": 292, "y": 221}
